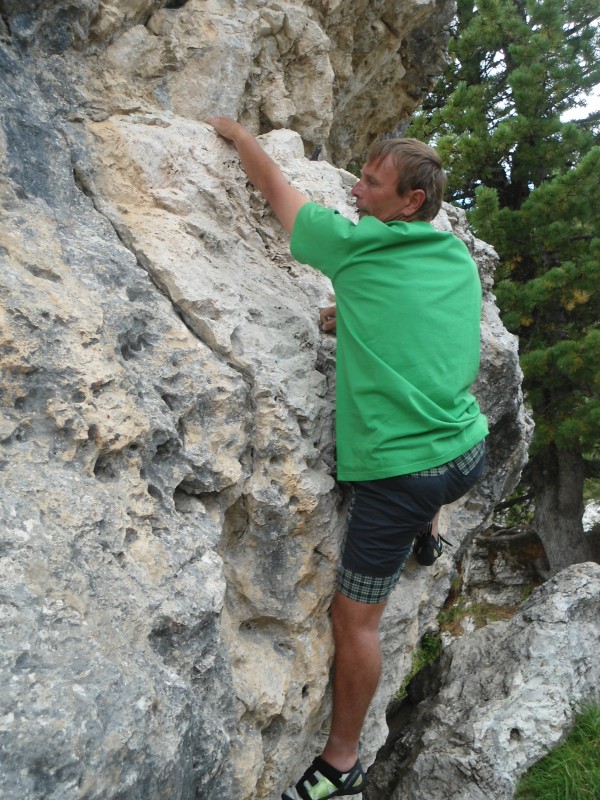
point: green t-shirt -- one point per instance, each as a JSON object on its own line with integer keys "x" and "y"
{"x": 408, "y": 337}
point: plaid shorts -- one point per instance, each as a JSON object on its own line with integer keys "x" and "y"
{"x": 385, "y": 516}
{"x": 368, "y": 588}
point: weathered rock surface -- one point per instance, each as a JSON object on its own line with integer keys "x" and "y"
{"x": 339, "y": 72}
{"x": 168, "y": 514}
{"x": 502, "y": 567}
{"x": 499, "y": 699}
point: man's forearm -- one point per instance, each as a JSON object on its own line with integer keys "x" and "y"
{"x": 260, "y": 168}
{"x": 262, "y": 171}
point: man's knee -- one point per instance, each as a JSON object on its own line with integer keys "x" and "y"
{"x": 349, "y": 617}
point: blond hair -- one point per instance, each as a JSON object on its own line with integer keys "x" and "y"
{"x": 419, "y": 167}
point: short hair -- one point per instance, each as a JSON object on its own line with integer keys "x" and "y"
{"x": 419, "y": 167}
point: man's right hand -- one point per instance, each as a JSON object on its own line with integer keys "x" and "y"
{"x": 327, "y": 318}
{"x": 226, "y": 127}
{"x": 262, "y": 171}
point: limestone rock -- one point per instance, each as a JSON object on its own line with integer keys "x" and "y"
{"x": 169, "y": 519}
{"x": 339, "y": 72}
{"x": 500, "y": 698}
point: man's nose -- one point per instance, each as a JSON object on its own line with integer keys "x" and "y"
{"x": 356, "y": 189}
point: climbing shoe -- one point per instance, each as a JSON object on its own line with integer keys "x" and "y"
{"x": 321, "y": 781}
{"x": 427, "y": 548}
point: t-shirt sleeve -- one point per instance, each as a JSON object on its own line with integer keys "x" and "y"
{"x": 321, "y": 238}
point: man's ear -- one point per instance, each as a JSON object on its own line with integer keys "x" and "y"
{"x": 414, "y": 200}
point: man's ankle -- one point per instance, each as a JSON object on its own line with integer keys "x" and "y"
{"x": 342, "y": 759}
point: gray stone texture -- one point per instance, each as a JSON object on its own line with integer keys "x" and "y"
{"x": 499, "y": 699}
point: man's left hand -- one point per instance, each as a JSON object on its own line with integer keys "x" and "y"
{"x": 327, "y": 318}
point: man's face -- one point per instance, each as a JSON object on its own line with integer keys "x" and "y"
{"x": 375, "y": 193}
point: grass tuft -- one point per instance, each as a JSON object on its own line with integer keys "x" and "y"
{"x": 572, "y": 770}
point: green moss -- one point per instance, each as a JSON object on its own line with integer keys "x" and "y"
{"x": 452, "y": 617}
{"x": 527, "y": 590}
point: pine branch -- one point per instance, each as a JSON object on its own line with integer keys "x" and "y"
{"x": 515, "y": 501}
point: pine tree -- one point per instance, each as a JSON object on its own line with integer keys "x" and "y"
{"x": 531, "y": 185}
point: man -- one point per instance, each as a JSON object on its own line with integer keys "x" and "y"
{"x": 409, "y": 434}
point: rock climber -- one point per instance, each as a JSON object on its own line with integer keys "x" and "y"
{"x": 410, "y": 436}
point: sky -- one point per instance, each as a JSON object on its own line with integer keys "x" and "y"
{"x": 592, "y": 104}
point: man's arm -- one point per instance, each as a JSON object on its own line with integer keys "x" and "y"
{"x": 262, "y": 171}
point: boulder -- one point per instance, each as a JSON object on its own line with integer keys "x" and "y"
{"x": 498, "y": 700}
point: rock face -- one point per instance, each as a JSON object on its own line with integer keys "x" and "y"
{"x": 169, "y": 519}
{"x": 339, "y": 72}
{"x": 499, "y": 699}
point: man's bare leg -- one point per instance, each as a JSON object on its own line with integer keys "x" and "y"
{"x": 357, "y": 668}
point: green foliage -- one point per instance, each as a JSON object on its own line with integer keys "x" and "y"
{"x": 496, "y": 114}
{"x": 570, "y": 771}
{"x": 429, "y": 650}
{"x": 548, "y": 291}
{"x": 517, "y": 510}
{"x": 591, "y": 490}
